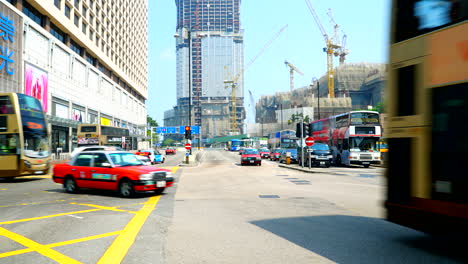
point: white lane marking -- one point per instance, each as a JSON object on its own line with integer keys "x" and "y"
{"x": 365, "y": 185}
{"x": 75, "y": 216}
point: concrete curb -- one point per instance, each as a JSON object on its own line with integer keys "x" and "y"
{"x": 194, "y": 160}
{"x": 297, "y": 168}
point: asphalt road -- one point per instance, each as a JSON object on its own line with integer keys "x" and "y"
{"x": 217, "y": 212}
{"x": 225, "y": 213}
{"x": 40, "y": 223}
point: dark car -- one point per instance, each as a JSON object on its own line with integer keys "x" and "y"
{"x": 275, "y": 154}
{"x": 251, "y": 156}
{"x": 320, "y": 154}
{"x": 264, "y": 153}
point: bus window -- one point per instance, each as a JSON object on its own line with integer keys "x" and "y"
{"x": 9, "y": 144}
{"x": 5, "y": 105}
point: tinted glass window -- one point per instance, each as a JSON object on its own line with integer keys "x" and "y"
{"x": 416, "y": 17}
{"x": 320, "y": 147}
{"x": 100, "y": 159}
{"x": 83, "y": 160}
{"x": 5, "y": 105}
{"x": 88, "y": 129}
{"x": 364, "y": 119}
{"x": 251, "y": 151}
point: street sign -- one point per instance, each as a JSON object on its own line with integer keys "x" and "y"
{"x": 194, "y": 129}
{"x": 309, "y": 141}
{"x": 188, "y": 146}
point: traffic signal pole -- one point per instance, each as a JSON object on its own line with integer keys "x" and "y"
{"x": 302, "y": 142}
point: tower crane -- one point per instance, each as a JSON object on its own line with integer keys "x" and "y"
{"x": 292, "y": 68}
{"x": 233, "y": 81}
{"x": 342, "y": 51}
{"x": 331, "y": 48}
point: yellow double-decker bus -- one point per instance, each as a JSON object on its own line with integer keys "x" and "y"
{"x": 428, "y": 109}
{"x": 24, "y": 147}
{"x": 100, "y": 135}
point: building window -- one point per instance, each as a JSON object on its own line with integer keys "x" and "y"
{"x": 57, "y": 33}
{"x": 77, "y": 20}
{"x": 97, "y": 41}
{"x": 32, "y": 13}
{"x": 67, "y": 11}
{"x": 76, "y": 48}
{"x": 91, "y": 35}
{"x": 91, "y": 20}
{"x": 84, "y": 10}
{"x": 91, "y": 59}
{"x": 84, "y": 28}
{"x": 77, "y": 4}
{"x": 57, "y": 3}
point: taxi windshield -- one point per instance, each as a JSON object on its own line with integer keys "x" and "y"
{"x": 125, "y": 159}
{"x": 250, "y": 151}
{"x": 264, "y": 150}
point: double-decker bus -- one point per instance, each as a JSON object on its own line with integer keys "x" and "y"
{"x": 282, "y": 139}
{"x": 94, "y": 134}
{"x": 427, "y": 125}
{"x": 24, "y": 147}
{"x": 352, "y": 137}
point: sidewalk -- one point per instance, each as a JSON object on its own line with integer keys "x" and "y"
{"x": 194, "y": 159}
{"x": 316, "y": 169}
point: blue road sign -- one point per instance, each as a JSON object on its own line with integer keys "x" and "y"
{"x": 166, "y": 130}
{"x": 171, "y": 130}
{"x": 194, "y": 129}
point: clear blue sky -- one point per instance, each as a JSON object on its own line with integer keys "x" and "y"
{"x": 366, "y": 22}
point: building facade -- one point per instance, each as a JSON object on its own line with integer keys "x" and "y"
{"x": 209, "y": 49}
{"x": 88, "y": 58}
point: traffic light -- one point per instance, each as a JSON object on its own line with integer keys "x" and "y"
{"x": 188, "y": 133}
{"x": 306, "y": 130}
{"x": 298, "y": 130}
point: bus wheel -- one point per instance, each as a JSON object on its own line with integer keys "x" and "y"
{"x": 126, "y": 189}
{"x": 70, "y": 185}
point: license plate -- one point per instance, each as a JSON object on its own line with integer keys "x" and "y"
{"x": 322, "y": 163}
{"x": 365, "y": 163}
{"x": 252, "y": 161}
{"x": 161, "y": 184}
{"x": 150, "y": 182}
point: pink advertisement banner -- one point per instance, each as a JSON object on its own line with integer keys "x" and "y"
{"x": 36, "y": 84}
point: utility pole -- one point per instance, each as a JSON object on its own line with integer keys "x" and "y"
{"x": 190, "y": 85}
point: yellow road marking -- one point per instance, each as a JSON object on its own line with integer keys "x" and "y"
{"x": 47, "y": 216}
{"x": 119, "y": 248}
{"x": 4, "y": 189}
{"x": 64, "y": 243}
{"x": 41, "y": 249}
{"x": 48, "y": 202}
{"x": 105, "y": 208}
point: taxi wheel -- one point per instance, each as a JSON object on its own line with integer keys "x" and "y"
{"x": 70, "y": 185}
{"x": 159, "y": 191}
{"x": 126, "y": 189}
{"x": 163, "y": 160}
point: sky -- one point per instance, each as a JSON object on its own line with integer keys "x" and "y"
{"x": 365, "y": 22}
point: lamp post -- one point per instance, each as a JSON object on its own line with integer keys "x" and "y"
{"x": 318, "y": 95}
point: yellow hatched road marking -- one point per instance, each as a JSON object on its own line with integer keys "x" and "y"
{"x": 64, "y": 243}
{"x": 105, "y": 208}
{"x": 47, "y": 216}
{"x": 41, "y": 249}
{"x": 119, "y": 248}
{"x": 47, "y": 202}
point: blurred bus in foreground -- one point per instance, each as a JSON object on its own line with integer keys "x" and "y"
{"x": 428, "y": 110}
{"x": 24, "y": 147}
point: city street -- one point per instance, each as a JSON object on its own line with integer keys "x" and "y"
{"x": 218, "y": 212}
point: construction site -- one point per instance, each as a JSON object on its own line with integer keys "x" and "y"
{"x": 357, "y": 86}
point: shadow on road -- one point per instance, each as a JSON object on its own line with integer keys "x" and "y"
{"x": 93, "y": 192}
{"x": 19, "y": 180}
{"x": 351, "y": 239}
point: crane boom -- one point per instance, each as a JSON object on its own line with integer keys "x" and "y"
{"x": 317, "y": 20}
{"x": 234, "y": 81}
{"x": 292, "y": 68}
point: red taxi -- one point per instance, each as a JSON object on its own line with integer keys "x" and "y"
{"x": 264, "y": 153}
{"x": 251, "y": 156}
{"x": 111, "y": 170}
{"x": 275, "y": 154}
{"x": 170, "y": 151}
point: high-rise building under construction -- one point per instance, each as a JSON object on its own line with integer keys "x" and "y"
{"x": 209, "y": 44}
